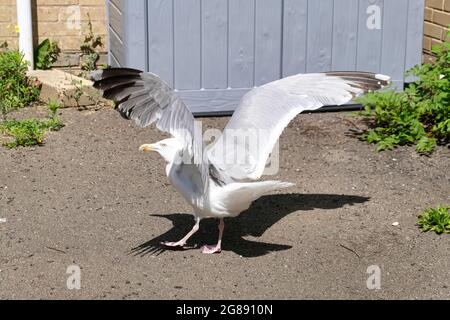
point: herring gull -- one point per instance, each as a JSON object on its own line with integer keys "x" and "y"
{"x": 210, "y": 178}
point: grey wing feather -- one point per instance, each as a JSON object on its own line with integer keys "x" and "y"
{"x": 264, "y": 112}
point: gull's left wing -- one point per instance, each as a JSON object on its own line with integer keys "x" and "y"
{"x": 264, "y": 113}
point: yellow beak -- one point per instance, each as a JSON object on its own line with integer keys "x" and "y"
{"x": 146, "y": 148}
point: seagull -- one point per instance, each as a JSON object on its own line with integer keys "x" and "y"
{"x": 219, "y": 180}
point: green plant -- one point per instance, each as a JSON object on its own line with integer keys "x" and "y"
{"x": 78, "y": 91}
{"x": 420, "y": 114}
{"x": 53, "y": 123}
{"x": 30, "y": 132}
{"x": 435, "y": 219}
{"x": 16, "y": 90}
{"x": 89, "y": 50}
{"x": 46, "y": 54}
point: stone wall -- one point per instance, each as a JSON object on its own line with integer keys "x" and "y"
{"x": 437, "y": 20}
{"x": 65, "y": 21}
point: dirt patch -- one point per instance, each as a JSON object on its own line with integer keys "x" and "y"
{"x": 89, "y": 198}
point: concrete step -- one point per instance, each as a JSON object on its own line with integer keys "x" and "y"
{"x": 68, "y": 89}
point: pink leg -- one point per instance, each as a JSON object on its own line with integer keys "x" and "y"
{"x": 183, "y": 241}
{"x": 218, "y": 247}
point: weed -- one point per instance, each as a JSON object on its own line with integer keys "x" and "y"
{"x": 89, "y": 49}
{"x": 30, "y": 132}
{"x": 46, "y": 54}
{"x": 435, "y": 219}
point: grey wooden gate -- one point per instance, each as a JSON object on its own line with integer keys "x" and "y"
{"x": 214, "y": 51}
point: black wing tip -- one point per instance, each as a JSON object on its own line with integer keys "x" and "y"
{"x": 102, "y": 74}
{"x": 368, "y": 81}
{"x": 123, "y": 114}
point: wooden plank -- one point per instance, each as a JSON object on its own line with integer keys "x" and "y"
{"x": 369, "y": 39}
{"x": 294, "y": 36}
{"x": 214, "y": 44}
{"x": 115, "y": 19}
{"x": 268, "y": 66}
{"x": 320, "y": 36}
{"x": 187, "y": 24}
{"x": 394, "y": 39}
{"x": 118, "y": 4}
{"x": 414, "y": 35}
{"x": 212, "y": 100}
{"x": 135, "y": 43}
{"x": 116, "y": 47}
{"x": 345, "y": 26}
{"x": 160, "y": 39}
{"x": 241, "y": 44}
{"x": 113, "y": 61}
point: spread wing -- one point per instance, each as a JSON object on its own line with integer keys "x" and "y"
{"x": 263, "y": 113}
{"x": 146, "y": 99}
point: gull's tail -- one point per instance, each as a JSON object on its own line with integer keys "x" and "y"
{"x": 241, "y": 195}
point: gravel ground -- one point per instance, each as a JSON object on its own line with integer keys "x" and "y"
{"x": 89, "y": 198}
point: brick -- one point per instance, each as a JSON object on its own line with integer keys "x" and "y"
{"x": 444, "y": 34}
{"x": 428, "y": 14}
{"x": 56, "y": 2}
{"x": 437, "y": 4}
{"x": 71, "y": 43}
{"x": 47, "y": 14}
{"x": 67, "y": 60}
{"x": 13, "y": 43}
{"x": 7, "y": 30}
{"x": 442, "y": 18}
{"x": 427, "y": 43}
{"x": 432, "y": 30}
{"x": 95, "y": 13}
{"x": 447, "y": 5}
{"x": 53, "y": 29}
{"x": 103, "y": 59}
{"x": 74, "y": 43}
{"x": 90, "y": 2}
{"x": 9, "y": 2}
{"x": 6, "y": 14}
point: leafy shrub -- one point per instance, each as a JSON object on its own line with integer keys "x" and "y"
{"x": 435, "y": 219}
{"x": 30, "y": 132}
{"x": 16, "y": 90}
{"x": 46, "y": 54}
{"x": 420, "y": 114}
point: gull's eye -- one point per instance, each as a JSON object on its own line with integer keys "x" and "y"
{"x": 163, "y": 145}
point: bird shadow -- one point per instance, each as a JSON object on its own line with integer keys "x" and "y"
{"x": 263, "y": 213}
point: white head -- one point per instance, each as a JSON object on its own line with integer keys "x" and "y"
{"x": 169, "y": 149}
